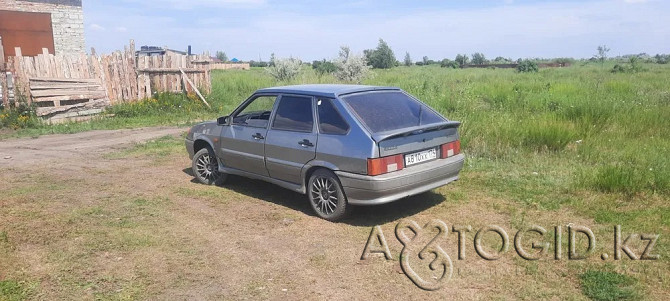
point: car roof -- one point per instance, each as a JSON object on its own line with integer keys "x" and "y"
{"x": 325, "y": 90}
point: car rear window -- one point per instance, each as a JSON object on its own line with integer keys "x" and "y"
{"x": 330, "y": 120}
{"x": 390, "y": 110}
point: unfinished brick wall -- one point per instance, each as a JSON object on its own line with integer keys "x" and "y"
{"x": 67, "y": 19}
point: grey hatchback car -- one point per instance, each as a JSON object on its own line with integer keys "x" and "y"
{"x": 341, "y": 145}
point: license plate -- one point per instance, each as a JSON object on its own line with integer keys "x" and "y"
{"x": 423, "y": 156}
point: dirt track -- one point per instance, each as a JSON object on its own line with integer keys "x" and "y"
{"x": 17, "y": 152}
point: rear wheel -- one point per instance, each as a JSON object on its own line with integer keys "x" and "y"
{"x": 326, "y": 195}
{"x": 206, "y": 168}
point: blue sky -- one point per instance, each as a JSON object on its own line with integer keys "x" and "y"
{"x": 309, "y": 29}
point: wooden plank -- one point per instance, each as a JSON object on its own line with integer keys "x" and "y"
{"x": 2, "y": 56}
{"x": 63, "y": 83}
{"x": 65, "y": 80}
{"x": 107, "y": 79}
{"x": 113, "y": 78}
{"x": 57, "y": 92}
{"x": 95, "y": 103}
{"x": 118, "y": 77}
{"x": 196, "y": 89}
{"x": 132, "y": 64}
{"x": 66, "y": 86}
{"x": 164, "y": 86}
{"x": 51, "y": 59}
{"x": 147, "y": 80}
{"x": 168, "y": 76}
{"x": 55, "y": 109}
{"x": 3, "y": 77}
{"x": 27, "y": 69}
{"x": 98, "y": 73}
{"x": 155, "y": 79}
{"x": 98, "y": 94}
{"x": 5, "y": 88}
{"x": 140, "y": 92}
{"x": 83, "y": 59}
{"x": 123, "y": 67}
{"x": 123, "y": 83}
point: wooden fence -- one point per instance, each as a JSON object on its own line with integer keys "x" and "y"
{"x": 59, "y": 83}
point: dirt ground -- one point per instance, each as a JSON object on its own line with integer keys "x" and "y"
{"x": 91, "y": 215}
{"x": 23, "y": 152}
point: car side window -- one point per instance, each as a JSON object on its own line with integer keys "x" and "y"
{"x": 294, "y": 114}
{"x": 257, "y": 112}
{"x": 330, "y": 120}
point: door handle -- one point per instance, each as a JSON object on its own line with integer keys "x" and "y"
{"x": 305, "y": 143}
{"x": 258, "y": 136}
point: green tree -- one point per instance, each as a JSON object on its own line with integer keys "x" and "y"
{"x": 527, "y": 66}
{"x": 447, "y": 63}
{"x": 382, "y": 57}
{"x": 222, "y": 56}
{"x": 601, "y": 56}
{"x": 462, "y": 60}
{"x": 285, "y": 69}
{"x": 324, "y": 67}
{"x": 501, "y": 60}
{"x": 408, "y": 59}
{"x": 350, "y": 67}
{"x": 478, "y": 58}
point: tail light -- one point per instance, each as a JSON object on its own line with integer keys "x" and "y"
{"x": 384, "y": 165}
{"x": 451, "y": 149}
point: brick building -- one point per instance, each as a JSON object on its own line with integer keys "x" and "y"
{"x": 57, "y": 25}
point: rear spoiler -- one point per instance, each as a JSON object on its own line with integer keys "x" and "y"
{"x": 378, "y": 137}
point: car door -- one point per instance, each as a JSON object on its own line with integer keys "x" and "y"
{"x": 291, "y": 139}
{"x": 243, "y": 141}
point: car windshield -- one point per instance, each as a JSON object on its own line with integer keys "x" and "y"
{"x": 383, "y": 111}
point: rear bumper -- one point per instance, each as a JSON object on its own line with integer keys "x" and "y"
{"x": 375, "y": 190}
{"x": 189, "y": 148}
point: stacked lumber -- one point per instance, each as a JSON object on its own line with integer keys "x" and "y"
{"x": 56, "y": 95}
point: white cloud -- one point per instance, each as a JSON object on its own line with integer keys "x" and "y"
{"x": 121, "y": 29}
{"x": 96, "y": 27}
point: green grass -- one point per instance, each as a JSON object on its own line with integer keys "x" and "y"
{"x": 608, "y": 286}
{"x": 12, "y": 291}
{"x": 157, "y": 148}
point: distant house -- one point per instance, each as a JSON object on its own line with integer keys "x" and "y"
{"x": 234, "y": 60}
{"x": 57, "y": 25}
{"x": 155, "y": 50}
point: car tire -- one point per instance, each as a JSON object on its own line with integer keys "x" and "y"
{"x": 206, "y": 168}
{"x": 326, "y": 195}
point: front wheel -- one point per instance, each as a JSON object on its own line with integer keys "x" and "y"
{"x": 206, "y": 168}
{"x": 326, "y": 195}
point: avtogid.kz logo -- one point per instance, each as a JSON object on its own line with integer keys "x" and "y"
{"x": 429, "y": 266}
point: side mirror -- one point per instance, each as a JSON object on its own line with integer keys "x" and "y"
{"x": 222, "y": 120}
